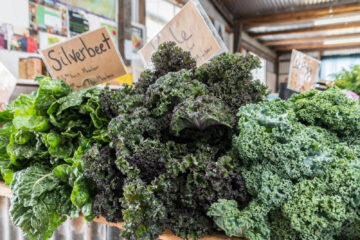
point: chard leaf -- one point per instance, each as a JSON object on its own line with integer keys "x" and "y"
{"x": 49, "y": 91}
{"x": 39, "y": 203}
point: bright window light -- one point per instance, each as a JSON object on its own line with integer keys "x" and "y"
{"x": 334, "y": 20}
{"x": 342, "y": 40}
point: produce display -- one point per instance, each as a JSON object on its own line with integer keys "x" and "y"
{"x": 299, "y": 160}
{"x": 42, "y": 142}
{"x": 171, "y": 142}
{"x": 349, "y": 79}
{"x": 193, "y": 150}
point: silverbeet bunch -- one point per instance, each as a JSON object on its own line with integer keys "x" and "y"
{"x": 170, "y": 156}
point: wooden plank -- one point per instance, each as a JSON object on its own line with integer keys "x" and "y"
{"x": 307, "y": 30}
{"x": 142, "y": 12}
{"x": 167, "y": 235}
{"x": 124, "y": 26}
{"x": 180, "y": 2}
{"x": 307, "y": 40}
{"x": 298, "y": 16}
{"x": 237, "y": 37}
{"x": 318, "y": 46}
{"x": 103, "y": 221}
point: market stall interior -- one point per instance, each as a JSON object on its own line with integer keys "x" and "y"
{"x": 176, "y": 119}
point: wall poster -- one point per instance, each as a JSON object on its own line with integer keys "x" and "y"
{"x": 48, "y": 16}
{"x": 4, "y": 37}
{"x": 23, "y": 39}
{"x": 78, "y": 22}
{"x": 103, "y": 8}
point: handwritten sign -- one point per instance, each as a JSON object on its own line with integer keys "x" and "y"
{"x": 303, "y": 71}
{"x": 85, "y": 60}
{"x": 7, "y": 85}
{"x": 193, "y": 31}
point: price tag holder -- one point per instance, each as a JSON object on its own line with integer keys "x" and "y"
{"x": 85, "y": 60}
{"x": 304, "y": 71}
{"x": 192, "y": 30}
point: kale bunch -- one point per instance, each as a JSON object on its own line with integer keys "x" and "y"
{"x": 349, "y": 79}
{"x": 172, "y": 134}
{"x": 101, "y": 169}
{"x": 229, "y": 78}
{"x": 171, "y": 58}
{"x": 299, "y": 159}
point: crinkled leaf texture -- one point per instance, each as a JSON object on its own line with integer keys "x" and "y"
{"x": 300, "y": 164}
{"x": 39, "y": 203}
{"x": 200, "y": 113}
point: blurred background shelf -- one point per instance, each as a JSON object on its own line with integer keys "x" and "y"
{"x": 26, "y": 82}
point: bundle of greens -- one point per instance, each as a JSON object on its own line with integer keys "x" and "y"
{"x": 349, "y": 79}
{"x": 171, "y": 144}
{"x": 42, "y": 141}
{"x": 300, "y": 163}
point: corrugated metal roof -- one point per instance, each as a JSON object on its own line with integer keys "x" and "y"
{"x": 245, "y": 8}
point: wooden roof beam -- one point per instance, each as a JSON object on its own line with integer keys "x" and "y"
{"x": 306, "y": 30}
{"x": 298, "y": 16}
{"x": 307, "y": 40}
{"x": 318, "y": 46}
{"x": 224, "y": 11}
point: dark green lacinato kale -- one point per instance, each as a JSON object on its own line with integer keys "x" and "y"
{"x": 300, "y": 164}
{"x": 171, "y": 58}
{"x": 172, "y": 136}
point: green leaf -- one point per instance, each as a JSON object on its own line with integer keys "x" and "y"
{"x": 39, "y": 203}
{"x": 200, "y": 114}
{"x": 49, "y": 91}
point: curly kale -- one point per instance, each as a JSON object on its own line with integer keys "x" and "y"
{"x": 172, "y": 135}
{"x": 329, "y": 110}
{"x": 299, "y": 167}
{"x": 99, "y": 166}
{"x": 229, "y": 78}
{"x": 147, "y": 78}
{"x": 170, "y": 90}
{"x": 149, "y": 157}
{"x": 171, "y": 58}
{"x": 200, "y": 113}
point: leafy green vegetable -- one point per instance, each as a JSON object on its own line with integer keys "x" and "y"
{"x": 46, "y": 133}
{"x": 171, "y": 137}
{"x": 101, "y": 171}
{"x": 171, "y": 58}
{"x": 201, "y": 113}
{"x": 229, "y": 78}
{"x": 349, "y": 79}
{"x": 300, "y": 164}
{"x": 39, "y": 203}
{"x": 171, "y": 89}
